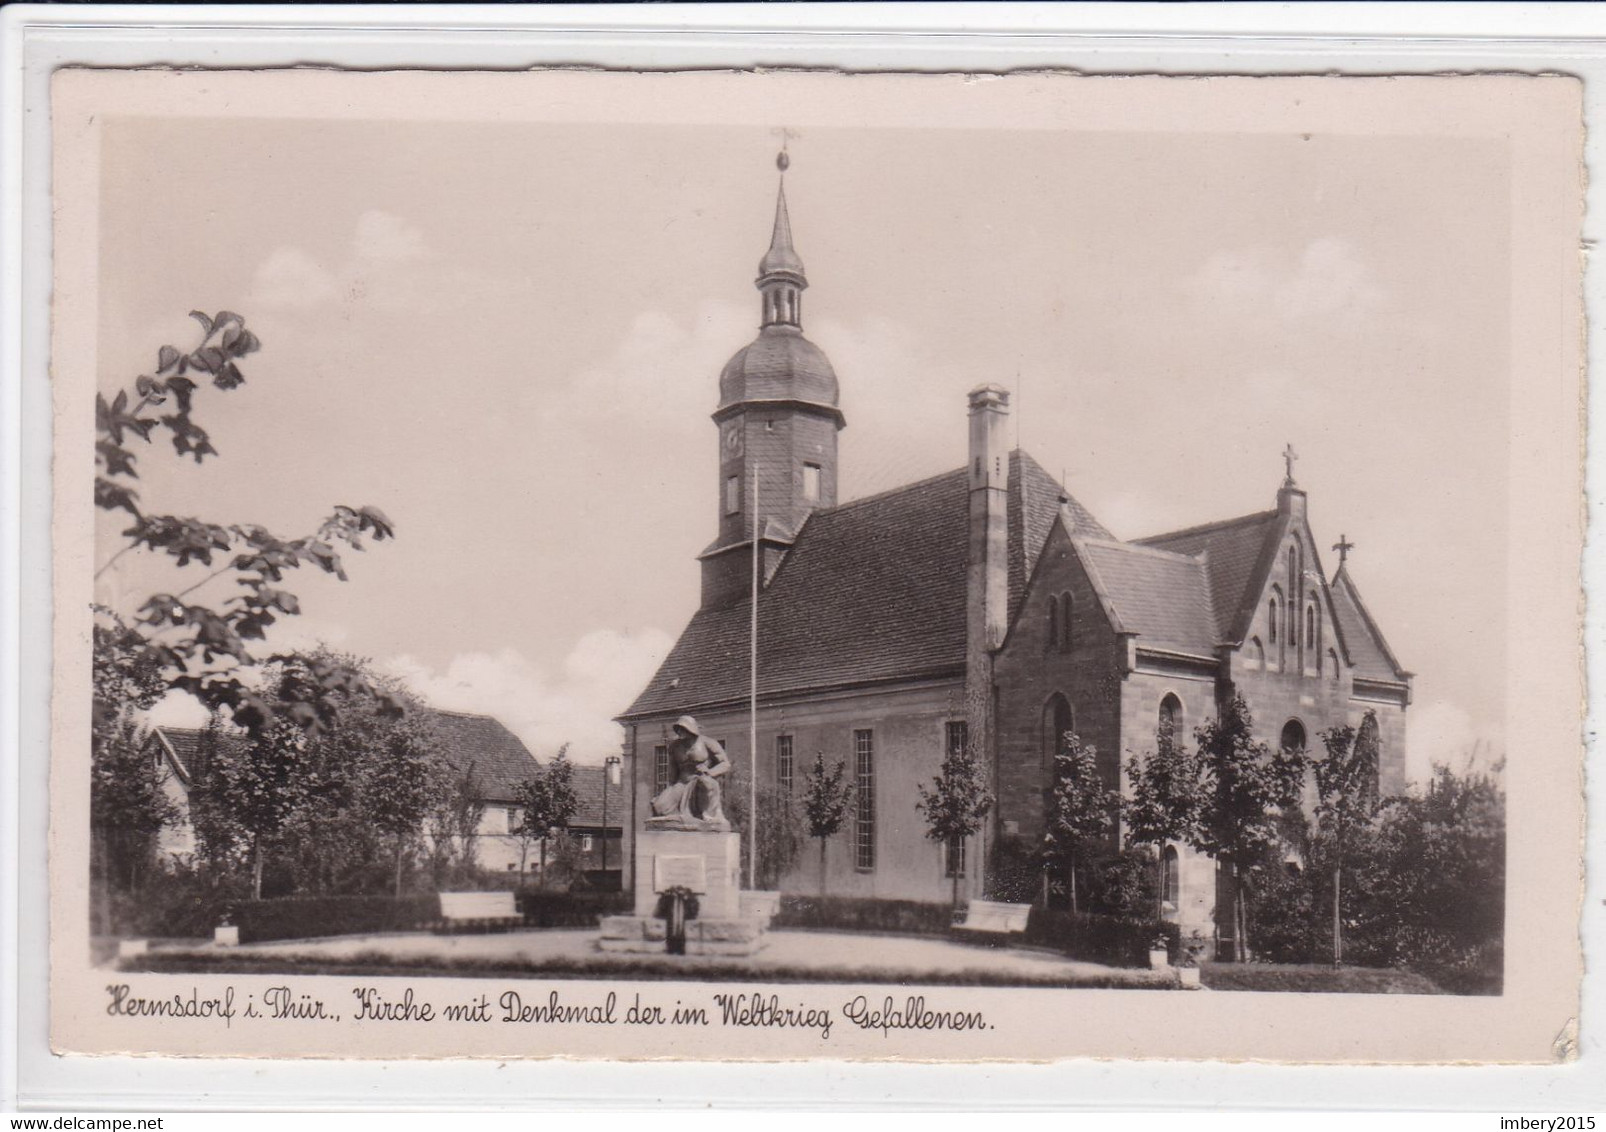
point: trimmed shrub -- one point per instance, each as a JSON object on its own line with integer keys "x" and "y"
{"x": 181, "y": 903}
{"x": 307, "y": 917}
{"x": 570, "y": 909}
{"x": 1115, "y": 941}
{"x": 861, "y": 914}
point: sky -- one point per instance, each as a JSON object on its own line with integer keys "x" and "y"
{"x": 507, "y": 336}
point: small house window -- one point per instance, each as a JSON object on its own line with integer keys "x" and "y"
{"x": 811, "y": 482}
{"x": 733, "y": 494}
{"x": 956, "y": 737}
{"x": 585, "y": 844}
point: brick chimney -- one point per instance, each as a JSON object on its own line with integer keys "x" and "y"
{"x": 987, "y": 584}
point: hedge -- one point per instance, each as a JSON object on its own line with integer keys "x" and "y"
{"x": 571, "y": 909}
{"x": 306, "y": 917}
{"x": 862, "y": 914}
{"x": 1115, "y": 941}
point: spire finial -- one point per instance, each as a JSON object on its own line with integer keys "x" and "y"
{"x": 1289, "y": 456}
{"x": 1343, "y": 546}
{"x": 782, "y": 160}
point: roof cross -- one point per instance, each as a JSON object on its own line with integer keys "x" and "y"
{"x": 1343, "y": 546}
{"x": 1289, "y": 456}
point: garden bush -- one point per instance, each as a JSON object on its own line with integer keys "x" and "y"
{"x": 860, "y": 914}
{"x": 1117, "y": 941}
{"x": 570, "y": 909}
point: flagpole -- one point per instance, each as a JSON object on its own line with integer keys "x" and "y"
{"x": 752, "y": 707}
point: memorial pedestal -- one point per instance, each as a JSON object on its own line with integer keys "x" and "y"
{"x": 705, "y": 863}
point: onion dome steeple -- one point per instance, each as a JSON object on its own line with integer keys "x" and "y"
{"x": 778, "y": 419}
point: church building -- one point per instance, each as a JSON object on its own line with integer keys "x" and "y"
{"x": 984, "y": 606}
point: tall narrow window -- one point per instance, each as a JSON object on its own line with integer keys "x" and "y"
{"x": 1058, "y": 722}
{"x": 1293, "y": 575}
{"x": 783, "y": 763}
{"x": 1065, "y": 622}
{"x": 1271, "y": 619}
{"x": 1170, "y": 880}
{"x": 1310, "y": 626}
{"x": 660, "y": 768}
{"x": 1170, "y": 715}
{"x": 811, "y": 482}
{"x": 954, "y": 851}
{"x": 733, "y": 494}
{"x": 1053, "y": 621}
{"x": 864, "y": 775}
{"x": 956, "y": 736}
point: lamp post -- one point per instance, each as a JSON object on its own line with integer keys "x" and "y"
{"x": 610, "y": 775}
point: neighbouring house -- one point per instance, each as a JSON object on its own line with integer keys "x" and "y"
{"x": 473, "y": 745}
{"x": 987, "y": 607}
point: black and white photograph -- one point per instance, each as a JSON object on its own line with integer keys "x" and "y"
{"x": 817, "y": 565}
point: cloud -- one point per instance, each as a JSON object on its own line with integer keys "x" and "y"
{"x": 649, "y": 373}
{"x": 1326, "y": 279}
{"x": 1439, "y": 731}
{"x": 290, "y": 278}
{"x": 545, "y": 708}
{"x": 387, "y": 265}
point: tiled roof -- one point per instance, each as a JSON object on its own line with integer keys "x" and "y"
{"x": 1162, "y": 597}
{"x": 1231, "y": 552}
{"x": 588, "y": 788}
{"x": 500, "y": 760}
{"x": 185, "y": 746}
{"x": 1368, "y": 651}
{"x": 872, "y": 590}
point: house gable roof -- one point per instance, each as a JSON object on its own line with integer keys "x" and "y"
{"x": 499, "y": 759}
{"x": 873, "y": 590}
{"x": 588, "y": 782}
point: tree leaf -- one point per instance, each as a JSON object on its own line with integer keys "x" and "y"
{"x": 200, "y": 317}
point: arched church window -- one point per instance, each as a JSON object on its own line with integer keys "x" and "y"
{"x": 1170, "y": 715}
{"x": 1310, "y": 626}
{"x": 1065, "y": 622}
{"x": 1058, "y": 723}
{"x": 1170, "y": 877}
{"x": 1256, "y": 653}
{"x": 1332, "y": 664}
{"x": 1053, "y": 621}
{"x": 1293, "y": 738}
{"x": 1271, "y": 619}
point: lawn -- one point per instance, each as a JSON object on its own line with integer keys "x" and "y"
{"x": 790, "y": 957}
{"x": 1314, "y": 978}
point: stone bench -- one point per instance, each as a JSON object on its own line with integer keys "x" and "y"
{"x": 994, "y": 918}
{"x": 479, "y": 910}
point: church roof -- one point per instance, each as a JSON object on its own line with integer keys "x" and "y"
{"x": 1368, "y": 651}
{"x": 873, "y": 590}
{"x": 1231, "y": 551}
{"x": 1163, "y": 597}
{"x": 779, "y": 365}
{"x": 781, "y": 256}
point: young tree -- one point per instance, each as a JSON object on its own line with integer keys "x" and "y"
{"x": 778, "y": 828}
{"x": 257, "y": 786}
{"x": 1244, "y": 786}
{"x": 398, "y": 779}
{"x": 827, "y": 795}
{"x": 1082, "y": 810}
{"x": 201, "y": 648}
{"x": 1165, "y": 799}
{"x": 1347, "y": 800}
{"x": 956, "y": 804}
{"x": 547, "y": 800}
{"x": 454, "y": 824}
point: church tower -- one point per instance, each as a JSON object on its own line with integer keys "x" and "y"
{"x": 777, "y": 419}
